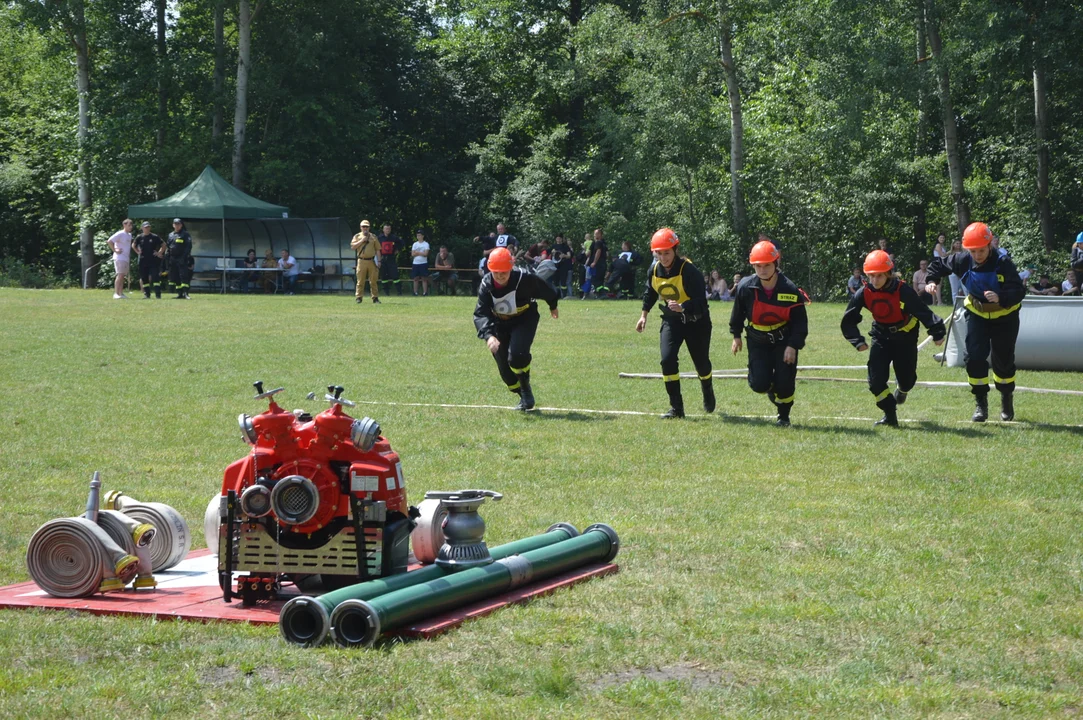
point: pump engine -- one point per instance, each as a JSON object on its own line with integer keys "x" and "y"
{"x": 319, "y": 495}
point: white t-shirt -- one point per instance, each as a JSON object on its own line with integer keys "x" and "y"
{"x": 122, "y": 240}
{"x": 1066, "y": 286}
{"x": 289, "y": 271}
{"x": 421, "y": 259}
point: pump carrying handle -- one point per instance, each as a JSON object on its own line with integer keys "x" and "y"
{"x": 336, "y": 398}
{"x": 260, "y": 394}
{"x": 463, "y": 495}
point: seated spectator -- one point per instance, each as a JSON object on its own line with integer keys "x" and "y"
{"x": 288, "y": 265}
{"x": 537, "y": 252}
{"x": 445, "y": 274}
{"x": 1070, "y": 286}
{"x": 855, "y": 282}
{"x": 1044, "y": 287}
{"x": 918, "y": 282}
{"x": 717, "y": 287}
{"x": 736, "y": 279}
{"x": 250, "y": 261}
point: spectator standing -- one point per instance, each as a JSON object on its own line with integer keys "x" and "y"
{"x": 994, "y": 295}
{"x": 939, "y": 251}
{"x": 504, "y": 239}
{"x": 179, "y": 245}
{"x": 267, "y": 263}
{"x": 1077, "y": 256}
{"x": 288, "y": 265}
{"x": 367, "y": 247}
{"x": 120, "y": 243}
{"x": 918, "y": 281}
{"x": 855, "y": 282}
{"x": 445, "y": 269}
{"x": 419, "y": 269}
{"x": 956, "y": 282}
{"x": 390, "y": 246}
{"x": 1070, "y": 286}
{"x": 562, "y": 254}
{"x": 674, "y": 283}
{"x": 598, "y": 258}
{"x": 150, "y": 248}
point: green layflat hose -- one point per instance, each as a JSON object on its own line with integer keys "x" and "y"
{"x": 361, "y": 622}
{"x": 307, "y": 620}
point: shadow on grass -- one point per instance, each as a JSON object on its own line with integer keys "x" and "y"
{"x": 931, "y": 426}
{"x": 568, "y": 415}
{"x": 797, "y": 425}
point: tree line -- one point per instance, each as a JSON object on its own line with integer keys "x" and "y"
{"x": 825, "y": 124}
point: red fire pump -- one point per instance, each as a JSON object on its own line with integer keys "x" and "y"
{"x": 319, "y": 495}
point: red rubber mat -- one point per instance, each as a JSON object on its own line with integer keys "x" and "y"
{"x": 190, "y": 591}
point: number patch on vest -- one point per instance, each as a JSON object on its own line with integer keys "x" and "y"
{"x": 786, "y": 297}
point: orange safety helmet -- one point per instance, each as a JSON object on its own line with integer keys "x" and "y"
{"x": 977, "y": 235}
{"x": 764, "y": 252}
{"x": 664, "y": 239}
{"x": 500, "y": 260}
{"x": 878, "y": 261}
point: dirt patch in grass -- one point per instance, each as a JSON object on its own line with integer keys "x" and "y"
{"x": 695, "y": 676}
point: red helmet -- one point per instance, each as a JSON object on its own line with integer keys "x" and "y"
{"x": 977, "y": 235}
{"x": 764, "y": 252}
{"x": 500, "y": 260}
{"x": 878, "y": 261}
{"x": 664, "y": 239}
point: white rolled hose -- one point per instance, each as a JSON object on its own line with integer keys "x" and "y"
{"x": 72, "y": 557}
{"x": 171, "y": 542}
{"x": 212, "y": 522}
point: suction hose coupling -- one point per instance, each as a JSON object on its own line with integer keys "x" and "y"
{"x": 304, "y": 621}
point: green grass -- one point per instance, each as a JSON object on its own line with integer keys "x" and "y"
{"x": 828, "y": 570}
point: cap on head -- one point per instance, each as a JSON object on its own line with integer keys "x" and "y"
{"x": 664, "y": 239}
{"x": 365, "y": 223}
{"x": 145, "y": 224}
{"x": 500, "y": 260}
{"x": 1079, "y": 238}
{"x": 764, "y": 252}
{"x": 878, "y": 261}
{"x": 177, "y": 221}
{"x": 977, "y": 235}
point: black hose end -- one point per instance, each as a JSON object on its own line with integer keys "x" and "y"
{"x": 566, "y": 527}
{"x": 355, "y": 623}
{"x": 614, "y": 541}
{"x": 304, "y": 621}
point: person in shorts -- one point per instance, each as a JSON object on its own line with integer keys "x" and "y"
{"x": 419, "y": 269}
{"x": 121, "y": 244}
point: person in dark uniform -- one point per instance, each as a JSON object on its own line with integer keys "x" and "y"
{"x": 390, "y": 245}
{"x": 179, "y": 245}
{"x": 149, "y": 248}
{"x": 685, "y": 319}
{"x": 896, "y": 309}
{"x": 777, "y": 327}
{"x": 994, "y": 293}
{"x": 506, "y": 318}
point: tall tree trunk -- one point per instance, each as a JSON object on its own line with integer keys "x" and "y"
{"x": 163, "y": 96}
{"x": 77, "y": 34}
{"x": 219, "y": 68}
{"x": 951, "y": 132}
{"x": 737, "y": 128}
{"x": 920, "y": 211}
{"x": 240, "y": 115}
{"x": 1041, "y": 130}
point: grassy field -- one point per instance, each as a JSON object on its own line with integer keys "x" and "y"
{"x": 831, "y": 569}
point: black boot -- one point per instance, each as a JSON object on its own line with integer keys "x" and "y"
{"x": 981, "y": 408}
{"x": 891, "y": 417}
{"x": 900, "y": 397}
{"x": 708, "y": 395}
{"x": 783, "y": 414}
{"x": 1007, "y": 406}
{"x": 676, "y": 402}
{"x": 526, "y": 395}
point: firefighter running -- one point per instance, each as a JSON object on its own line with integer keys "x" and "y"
{"x": 994, "y": 294}
{"x": 685, "y": 319}
{"x": 777, "y": 326}
{"x": 179, "y": 245}
{"x": 506, "y": 317}
{"x": 896, "y": 310}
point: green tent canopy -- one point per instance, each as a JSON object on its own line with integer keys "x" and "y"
{"x": 209, "y": 197}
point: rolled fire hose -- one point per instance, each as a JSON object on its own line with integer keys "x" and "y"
{"x": 74, "y": 557}
{"x": 361, "y": 622}
{"x": 307, "y": 620}
{"x": 212, "y": 522}
{"x": 135, "y": 538}
{"x": 428, "y": 536}
{"x": 172, "y": 541}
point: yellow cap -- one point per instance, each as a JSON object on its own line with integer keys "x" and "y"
{"x": 365, "y": 223}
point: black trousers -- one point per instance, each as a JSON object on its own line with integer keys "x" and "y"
{"x": 696, "y": 335}
{"x": 149, "y": 268}
{"x": 178, "y": 273}
{"x": 899, "y": 349}
{"x": 389, "y": 273}
{"x": 767, "y": 373}
{"x": 513, "y": 357}
{"x": 997, "y": 336}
